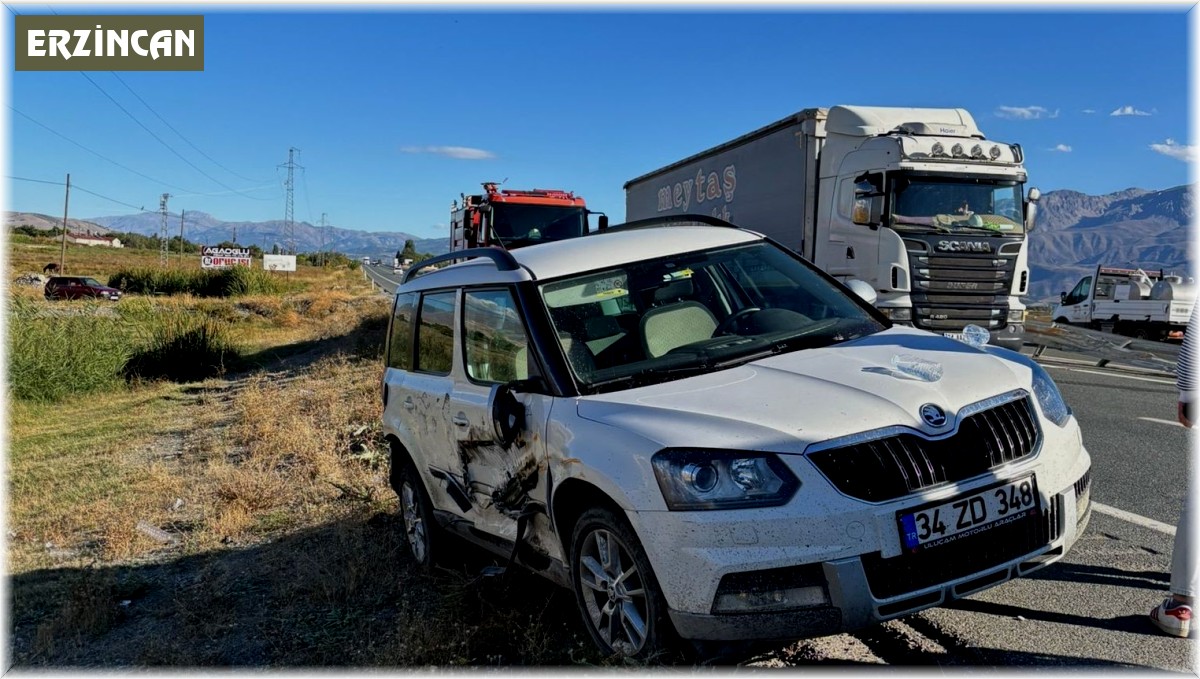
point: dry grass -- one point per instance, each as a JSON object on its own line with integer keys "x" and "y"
{"x": 247, "y": 521}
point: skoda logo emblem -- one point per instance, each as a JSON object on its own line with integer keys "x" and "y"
{"x": 933, "y": 415}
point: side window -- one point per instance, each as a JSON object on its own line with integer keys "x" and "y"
{"x": 496, "y": 346}
{"x": 1081, "y": 291}
{"x": 845, "y": 198}
{"x": 400, "y": 341}
{"x": 435, "y": 333}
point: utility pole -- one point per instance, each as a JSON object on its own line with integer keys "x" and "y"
{"x": 323, "y": 226}
{"x": 181, "y": 213}
{"x": 62, "y": 255}
{"x": 163, "y": 245}
{"x": 288, "y": 213}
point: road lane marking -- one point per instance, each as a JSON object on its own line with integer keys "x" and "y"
{"x": 1097, "y": 372}
{"x": 1155, "y": 419}
{"x": 1134, "y": 518}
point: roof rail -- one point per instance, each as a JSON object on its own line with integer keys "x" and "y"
{"x": 503, "y": 260}
{"x": 669, "y": 220}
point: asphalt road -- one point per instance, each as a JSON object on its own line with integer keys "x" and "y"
{"x": 1089, "y": 609}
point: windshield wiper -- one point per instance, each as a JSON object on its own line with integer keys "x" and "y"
{"x": 651, "y": 375}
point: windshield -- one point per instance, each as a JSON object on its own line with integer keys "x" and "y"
{"x": 516, "y": 224}
{"x": 976, "y": 206}
{"x": 92, "y": 281}
{"x": 666, "y": 318}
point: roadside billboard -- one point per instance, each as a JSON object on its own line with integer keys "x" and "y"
{"x": 279, "y": 262}
{"x": 213, "y": 257}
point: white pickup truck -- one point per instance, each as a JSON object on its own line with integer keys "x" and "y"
{"x": 1134, "y": 302}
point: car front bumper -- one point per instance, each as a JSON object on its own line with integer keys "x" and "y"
{"x": 848, "y": 547}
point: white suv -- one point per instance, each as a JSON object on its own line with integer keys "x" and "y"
{"x": 706, "y": 438}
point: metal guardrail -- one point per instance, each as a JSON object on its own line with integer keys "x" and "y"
{"x": 1104, "y": 347}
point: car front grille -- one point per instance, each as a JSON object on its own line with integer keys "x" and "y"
{"x": 894, "y": 466}
{"x": 960, "y": 558}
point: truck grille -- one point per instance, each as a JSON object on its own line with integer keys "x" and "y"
{"x": 894, "y": 466}
{"x": 950, "y": 290}
{"x": 960, "y": 558}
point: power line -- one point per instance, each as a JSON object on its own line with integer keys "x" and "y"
{"x": 181, "y": 136}
{"x": 105, "y": 158}
{"x": 97, "y": 153}
{"x": 77, "y": 187}
{"x": 160, "y": 140}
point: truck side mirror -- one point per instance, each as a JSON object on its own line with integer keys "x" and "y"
{"x": 1031, "y": 208}
{"x": 868, "y": 210}
{"x": 1062, "y": 297}
{"x": 602, "y": 223}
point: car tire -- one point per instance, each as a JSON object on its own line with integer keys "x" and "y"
{"x": 420, "y": 531}
{"x": 618, "y": 595}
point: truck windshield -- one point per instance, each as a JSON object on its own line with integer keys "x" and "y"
{"x": 671, "y": 317}
{"x": 977, "y": 206}
{"x": 516, "y": 224}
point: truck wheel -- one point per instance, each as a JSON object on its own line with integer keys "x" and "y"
{"x": 421, "y": 533}
{"x": 618, "y": 595}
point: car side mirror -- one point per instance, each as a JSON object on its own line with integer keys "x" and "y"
{"x": 863, "y": 289}
{"x": 1062, "y": 298}
{"x": 508, "y": 413}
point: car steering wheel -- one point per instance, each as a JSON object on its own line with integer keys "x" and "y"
{"x": 728, "y": 324}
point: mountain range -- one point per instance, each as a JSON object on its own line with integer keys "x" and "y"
{"x": 1133, "y": 228}
{"x": 1074, "y": 233}
{"x": 201, "y": 227}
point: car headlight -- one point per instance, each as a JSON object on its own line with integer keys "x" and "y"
{"x": 721, "y": 479}
{"x": 1044, "y": 389}
{"x": 1053, "y": 406}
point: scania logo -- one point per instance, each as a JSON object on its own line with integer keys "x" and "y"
{"x": 961, "y": 285}
{"x": 933, "y": 415}
{"x": 963, "y": 246}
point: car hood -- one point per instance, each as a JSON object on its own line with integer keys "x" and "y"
{"x": 783, "y": 403}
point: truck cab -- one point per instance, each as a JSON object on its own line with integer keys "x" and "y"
{"x": 923, "y": 207}
{"x": 510, "y": 219}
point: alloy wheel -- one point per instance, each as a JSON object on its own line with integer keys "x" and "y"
{"x": 613, "y": 592}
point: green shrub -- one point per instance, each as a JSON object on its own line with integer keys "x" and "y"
{"x": 231, "y": 282}
{"x": 52, "y": 356}
{"x": 183, "y": 348}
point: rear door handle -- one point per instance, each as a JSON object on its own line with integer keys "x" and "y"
{"x": 460, "y": 419}
{"x": 408, "y": 403}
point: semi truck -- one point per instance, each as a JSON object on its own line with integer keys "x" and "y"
{"x": 1133, "y": 302}
{"x": 915, "y": 202}
{"x": 509, "y": 218}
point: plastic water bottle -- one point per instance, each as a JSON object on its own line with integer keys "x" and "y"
{"x": 914, "y": 366}
{"x": 975, "y": 336}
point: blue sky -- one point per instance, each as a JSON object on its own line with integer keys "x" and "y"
{"x": 396, "y": 113}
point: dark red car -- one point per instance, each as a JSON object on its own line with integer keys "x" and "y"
{"x": 79, "y": 287}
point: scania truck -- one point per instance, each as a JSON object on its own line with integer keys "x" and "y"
{"x": 916, "y": 202}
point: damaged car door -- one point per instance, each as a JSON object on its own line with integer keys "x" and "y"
{"x": 496, "y": 422}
